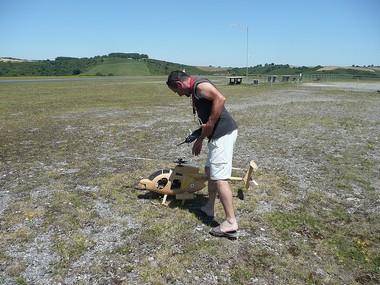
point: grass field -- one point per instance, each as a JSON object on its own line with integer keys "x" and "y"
{"x": 70, "y": 213}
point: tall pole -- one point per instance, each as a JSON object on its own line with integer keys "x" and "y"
{"x": 240, "y": 26}
{"x": 247, "y": 51}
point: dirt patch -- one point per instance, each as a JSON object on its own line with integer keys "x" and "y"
{"x": 346, "y": 86}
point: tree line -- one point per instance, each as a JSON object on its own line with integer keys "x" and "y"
{"x": 61, "y": 66}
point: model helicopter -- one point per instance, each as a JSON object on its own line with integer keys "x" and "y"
{"x": 183, "y": 180}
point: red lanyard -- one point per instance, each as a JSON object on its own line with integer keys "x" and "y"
{"x": 192, "y": 91}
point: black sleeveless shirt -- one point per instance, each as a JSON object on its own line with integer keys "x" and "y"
{"x": 224, "y": 125}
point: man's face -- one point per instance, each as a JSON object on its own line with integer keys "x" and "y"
{"x": 180, "y": 90}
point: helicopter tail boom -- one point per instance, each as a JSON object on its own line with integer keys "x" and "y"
{"x": 252, "y": 167}
{"x": 246, "y": 179}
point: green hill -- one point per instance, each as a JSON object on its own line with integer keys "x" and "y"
{"x": 114, "y": 64}
{"x": 119, "y": 67}
{"x": 135, "y": 64}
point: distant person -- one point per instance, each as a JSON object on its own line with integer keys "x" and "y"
{"x": 221, "y": 130}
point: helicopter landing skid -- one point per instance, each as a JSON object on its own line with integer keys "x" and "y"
{"x": 164, "y": 199}
{"x": 185, "y": 196}
{"x": 180, "y": 196}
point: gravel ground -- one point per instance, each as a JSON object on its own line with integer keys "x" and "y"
{"x": 296, "y": 151}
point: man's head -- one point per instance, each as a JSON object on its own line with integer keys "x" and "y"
{"x": 178, "y": 82}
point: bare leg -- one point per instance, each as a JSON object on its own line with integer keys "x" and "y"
{"x": 209, "y": 208}
{"x": 221, "y": 187}
{"x": 225, "y": 195}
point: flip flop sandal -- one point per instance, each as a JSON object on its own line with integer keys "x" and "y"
{"x": 216, "y": 232}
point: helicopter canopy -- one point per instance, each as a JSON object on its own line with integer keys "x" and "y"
{"x": 159, "y": 172}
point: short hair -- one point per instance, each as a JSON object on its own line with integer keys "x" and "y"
{"x": 175, "y": 76}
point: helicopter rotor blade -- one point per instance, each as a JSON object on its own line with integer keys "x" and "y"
{"x": 141, "y": 158}
{"x": 180, "y": 160}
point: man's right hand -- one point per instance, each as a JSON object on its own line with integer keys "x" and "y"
{"x": 197, "y": 146}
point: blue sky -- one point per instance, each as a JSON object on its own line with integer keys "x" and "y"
{"x": 197, "y": 32}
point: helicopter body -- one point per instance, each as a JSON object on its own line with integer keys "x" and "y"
{"x": 183, "y": 180}
{"x": 173, "y": 181}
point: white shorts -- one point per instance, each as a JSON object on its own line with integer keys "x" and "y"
{"x": 219, "y": 158}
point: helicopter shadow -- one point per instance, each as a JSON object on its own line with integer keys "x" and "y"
{"x": 150, "y": 196}
{"x": 194, "y": 207}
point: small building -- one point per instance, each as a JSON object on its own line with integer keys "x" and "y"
{"x": 235, "y": 80}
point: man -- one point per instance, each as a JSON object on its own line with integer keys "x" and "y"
{"x": 221, "y": 130}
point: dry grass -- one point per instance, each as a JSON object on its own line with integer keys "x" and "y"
{"x": 370, "y": 69}
{"x": 70, "y": 213}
